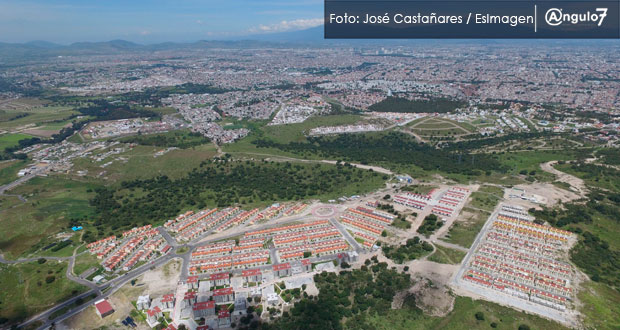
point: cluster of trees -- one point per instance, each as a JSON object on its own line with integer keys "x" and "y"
{"x": 609, "y": 156}
{"x": 220, "y": 183}
{"x": 391, "y": 148}
{"x": 179, "y": 139}
{"x": 397, "y": 104}
{"x": 104, "y": 110}
{"x": 594, "y": 256}
{"x": 350, "y": 295}
{"x": 430, "y": 223}
{"x": 413, "y": 249}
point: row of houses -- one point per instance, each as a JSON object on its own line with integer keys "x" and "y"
{"x": 286, "y": 229}
{"x": 516, "y": 289}
{"x": 366, "y": 223}
{"x": 450, "y": 201}
{"x": 229, "y": 262}
{"x": 517, "y": 257}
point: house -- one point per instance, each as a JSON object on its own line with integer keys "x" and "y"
{"x": 224, "y": 296}
{"x": 281, "y": 270}
{"x": 103, "y": 308}
{"x": 306, "y": 265}
{"x": 219, "y": 279}
{"x": 223, "y": 318}
{"x": 189, "y": 299}
{"x": 252, "y": 275}
{"x": 167, "y": 301}
{"x": 143, "y": 302}
{"x": 204, "y": 309}
{"x": 192, "y": 282}
{"x": 152, "y": 315}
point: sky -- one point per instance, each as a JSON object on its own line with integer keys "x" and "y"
{"x": 152, "y": 21}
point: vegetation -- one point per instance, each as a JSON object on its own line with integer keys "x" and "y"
{"x": 444, "y": 255}
{"x": 350, "y": 294}
{"x": 464, "y": 231}
{"x": 397, "y": 104}
{"x": 392, "y": 149}
{"x": 222, "y": 182}
{"x": 29, "y": 288}
{"x": 430, "y": 223}
{"x": 180, "y": 139}
{"x": 360, "y": 299}
{"x": 30, "y": 226}
{"x": 609, "y": 156}
{"x": 413, "y": 249}
{"x": 600, "y": 306}
{"x": 487, "y": 197}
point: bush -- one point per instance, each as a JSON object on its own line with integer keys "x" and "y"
{"x": 479, "y": 316}
{"x": 524, "y": 327}
{"x": 50, "y": 279}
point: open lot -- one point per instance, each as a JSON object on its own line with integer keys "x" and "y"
{"x": 29, "y": 288}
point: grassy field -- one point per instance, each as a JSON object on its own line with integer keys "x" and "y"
{"x": 594, "y": 175}
{"x": 30, "y": 288}
{"x": 142, "y": 164}
{"x": 295, "y": 132}
{"x": 36, "y": 116}
{"x": 84, "y": 262}
{"x": 444, "y": 255}
{"x": 600, "y": 306}
{"x": 51, "y": 202}
{"x": 10, "y": 140}
{"x": 463, "y": 232}
{"x": 461, "y": 317}
{"x": 487, "y": 197}
{"x": 287, "y": 133}
{"x": 530, "y": 161}
{"x": 9, "y": 169}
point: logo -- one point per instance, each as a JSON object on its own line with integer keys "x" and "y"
{"x": 555, "y": 17}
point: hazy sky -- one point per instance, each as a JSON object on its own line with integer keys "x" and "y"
{"x": 146, "y": 21}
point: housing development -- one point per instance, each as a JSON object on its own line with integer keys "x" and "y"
{"x": 255, "y": 184}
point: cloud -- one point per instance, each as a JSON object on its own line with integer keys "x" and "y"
{"x": 298, "y": 24}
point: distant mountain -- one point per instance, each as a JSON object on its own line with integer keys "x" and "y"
{"x": 314, "y": 34}
{"x": 312, "y": 37}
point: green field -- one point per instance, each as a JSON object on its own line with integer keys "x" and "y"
{"x": 10, "y": 140}
{"x": 600, "y": 306}
{"x": 84, "y": 262}
{"x": 52, "y": 201}
{"x": 487, "y": 197}
{"x": 36, "y": 116}
{"x": 30, "y": 288}
{"x": 530, "y": 161}
{"x": 9, "y": 169}
{"x": 461, "y": 317}
{"x": 444, "y": 255}
{"x": 142, "y": 164}
{"x": 464, "y": 231}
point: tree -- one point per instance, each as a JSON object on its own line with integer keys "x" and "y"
{"x": 384, "y": 233}
{"x": 479, "y": 316}
{"x": 524, "y": 327}
{"x": 307, "y": 254}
